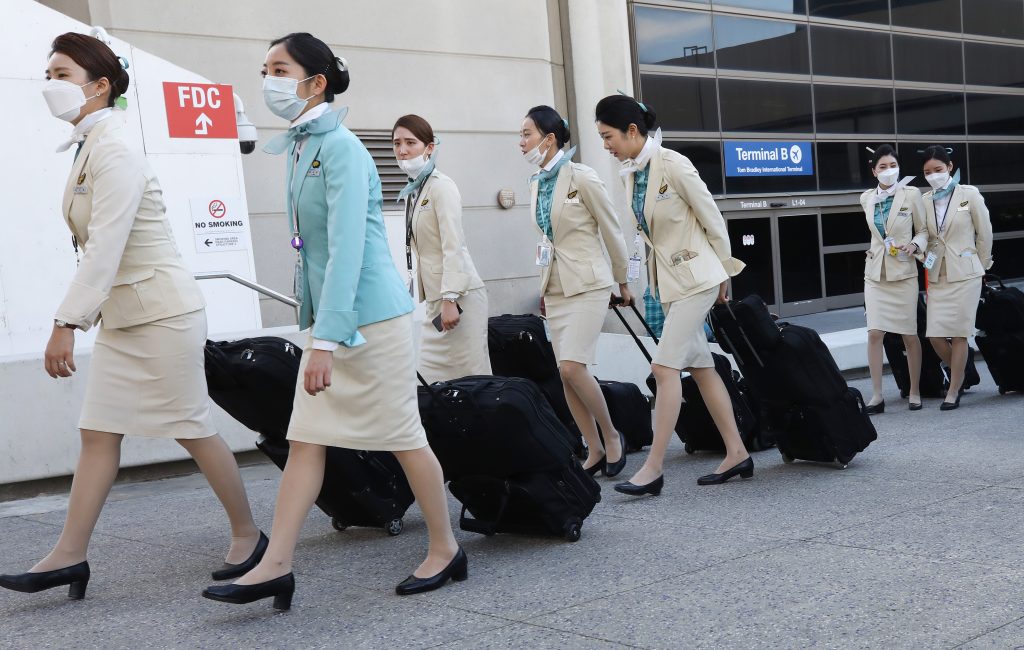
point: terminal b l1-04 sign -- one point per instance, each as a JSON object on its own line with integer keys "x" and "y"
{"x": 768, "y": 158}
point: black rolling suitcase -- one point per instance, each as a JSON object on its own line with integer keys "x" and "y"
{"x": 816, "y": 416}
{"x": 254, "y": 381}
{"x": 1000, "y": 321}
{"x": 630, "y": 411}
{"x": 506, "y": 457}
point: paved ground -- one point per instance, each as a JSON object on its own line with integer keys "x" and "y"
{"x": 916, "y": 545}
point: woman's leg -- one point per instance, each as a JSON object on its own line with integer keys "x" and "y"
{"x": 666, "y": 414}
{"x": 875, "y": 365}
{"x": 719, "y": 403}
{"x": 957, "y": 367}
{"x": 942, "y": 348}
{"x": 912, "y": 343}
{"x": 300, "y": 485}
{"x": 218, "y": 465}
{"x": 427, "y": 483}
{"x": 589, "y": 409}
{"x": 97, "y": 468}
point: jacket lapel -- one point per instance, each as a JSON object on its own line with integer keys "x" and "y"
{"x": 897, "y": 203}
{"x": 559, "y": 196}
{"x": 533, "y": 204}
{"x": 655, "y": 178}
{"x": 952, "y": 211}
{"x": 309, "y": 153}
{"x": 424, "y": 193}
{"x": 79, "y": 164}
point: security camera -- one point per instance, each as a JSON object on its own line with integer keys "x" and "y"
{"x": 247, "y": 135}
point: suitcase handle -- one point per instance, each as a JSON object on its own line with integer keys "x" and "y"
{"x": 636, "y": 339}
{"x": 729, "y": 342}
{"x": 991, "y": 277}
{"x": 479, "y": 526}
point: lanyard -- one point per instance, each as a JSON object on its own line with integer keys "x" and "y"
{"x": 410, "y": 210}
{"x": 941, "y": 225}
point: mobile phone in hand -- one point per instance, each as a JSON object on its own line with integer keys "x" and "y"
{"x": 437, "y": 319}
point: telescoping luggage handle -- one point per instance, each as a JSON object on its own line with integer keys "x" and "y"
{"x": 615, "y": 303}
{"x": 990, "y": 278}
{"x": 728, "y": 341}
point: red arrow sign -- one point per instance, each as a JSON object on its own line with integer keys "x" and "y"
{"x": 199, "y": 110}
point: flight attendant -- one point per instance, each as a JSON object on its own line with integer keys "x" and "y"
{"x": 895, "y": 216}
{"x": 146, "y": 375}
{"x": 574, "y": 216}
{"x": 356, "y": 385}
{"x": 958, "y": 254}
{"x": 688, "y": 268}
{"x": 446, "y": 278}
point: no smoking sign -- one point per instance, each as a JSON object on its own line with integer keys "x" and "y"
{"x": 217, "y": 226}
{"x": 217, "y": 209}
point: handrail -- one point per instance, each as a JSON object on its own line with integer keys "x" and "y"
{"x": 258, "y": 288}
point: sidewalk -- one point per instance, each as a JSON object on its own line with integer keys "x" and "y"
{"x": 916, "y": 545}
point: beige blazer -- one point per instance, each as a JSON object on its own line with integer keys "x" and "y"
{"x": 439, "y": 242}
{"x": 689, "y": 241}
{"x": 582, "y": 217}
{"x": 905, "y": 223}
{"x": 965, "y": 244}
{"x": 130, "y": 271}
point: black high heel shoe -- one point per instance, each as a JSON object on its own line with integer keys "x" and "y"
{"x": 281, "y": 589}
{"x": 596, "y": 467}
{"x": 228, "y": 571}
{"x": 457, "y": 570}
{"x": 744, "y": 469}
{"x": 915, "y": 406}
{"x": 950, "y": 406}
{"x": 875, "y": 409}
{"x": 76, "y": 575}
{"x": 611, "y": 470}
{"x": 653, "y": 488}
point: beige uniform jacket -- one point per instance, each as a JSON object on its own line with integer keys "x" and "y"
{"x": 905, "y": 224}
{"x": 130, "y": 270}
{"x": 689, "y": 242}
{"x": 582, "y": 217}
{"x": 965, "y": 243}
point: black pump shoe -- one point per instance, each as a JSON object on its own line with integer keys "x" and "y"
{"x": 744, "y": 469}
{"x": 653, "y": 488}
{"x": 915, "y": 406}
{"x": 596, "y": 467}
{"x": 950, "y": 406}
{"x": 457, "y": 570}
{"x": 228, "y": 571}
{"x": 281, "y": 589}
{"x": 875, "y": 409}
{"x": 76, "y": 575}
{"x": 612, "y": 470}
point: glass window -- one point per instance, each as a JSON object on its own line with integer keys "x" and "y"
{"x": 997, "y": 163}
{"x": 928, "y": 59}
{"x": 940, "y": 15}
{"x": 762, "y": 45}
{"x": 756, "y": 251}
{"x": 671, "y": 37}
{"x": 799, "y": 260}
{"x": 853, "y": 109}
{"x": 995, "y": 18}
{"x": 844, "y": 229}
{"x": 928, "y": 112}
{"x": 995, "y": 114}
{"x": 912, "y": 160}
{"x": 766, "y": 106}
{"x": 1008, "y": 257}
{"x": 1006, "y": 211}
{"x": 844, "y": 166}
{"x": 844, "y": 272}
{"x": 707, "y": 158}
{"x": 870, "y": 11}
{"x": 994, "y": 65}
{"x": 831, "y": 49}
{"x": 681, "y": 103}
{"x": 784, "y": 6}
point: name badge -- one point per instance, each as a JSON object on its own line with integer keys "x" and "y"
{"x": 662, "y": 197}
{"x": 890, "y": 245}
{"x": 633, "y": 269}
{"x": 544, "y": 253}
{"x": 80, "y": 189}
{"x": 963, "y": 208}
{"x": 929, "y": 261}
{"x": 313, "y": 171}
{"x": 572, "y": 201}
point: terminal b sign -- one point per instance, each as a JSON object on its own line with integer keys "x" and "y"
{"x": 768, "y": 158}
{"x": 196, "y": 110}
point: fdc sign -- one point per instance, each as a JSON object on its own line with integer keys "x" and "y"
{"x": 768, "y": 158}
{"x": 200, "y": 110}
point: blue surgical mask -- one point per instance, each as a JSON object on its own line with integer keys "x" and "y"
{"x": 280, "y": 96}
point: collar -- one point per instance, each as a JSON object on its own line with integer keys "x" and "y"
{"x": 554, "y": 165}
{"x": 554, "y": 160}
{"x": 327, "y": 121}
{"x": 311, "y": 114}
{"x": 632, "y": 165}
{"x": 83, "y": 128}
{"x": 415, "y": 184}
{"x": 879, "y": 192}
{"x": 947, "y": 189}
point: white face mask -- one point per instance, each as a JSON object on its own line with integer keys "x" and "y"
{"x": 65, "y": 99}
{"x": 535, "y": 157}
{"x": 937, "y": 181}
{"x": 280, "y": 96}
{"x": 413, "y": 166}
{"x": 889, "y": 176}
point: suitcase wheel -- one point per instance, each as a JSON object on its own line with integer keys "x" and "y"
{"x": 688, "y": 448}
{"x": 1002, "y": 391}
{"x": 572, "y": 531}
{"x": 338, "y": 524}
{"x": 843, "y": 465}
{"x": 787, "y": 459}
{"x": 395, "y": 526}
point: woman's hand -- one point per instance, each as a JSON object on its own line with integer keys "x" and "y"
{"x": 449, "y": 315}
{"x": 318, "y": 371}
{"x": 910, "y": 249}
{"x": 723, "y": 293}
{"x": 625, "y": 297}
{"x": 59, "y": 359}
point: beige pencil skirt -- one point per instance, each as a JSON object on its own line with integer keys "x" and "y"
{"x": 575, "y": 321}
{"x": 952, "y": 306}
{"x": 371, "y": 403}
{"x": 150, "y": 380}
{"x": 891, "y": 305}
{"x": 459, "y": 352}
{"x": 683, "y": 341}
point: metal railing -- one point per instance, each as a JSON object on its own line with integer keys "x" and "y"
{"x": 258, "y": 288}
